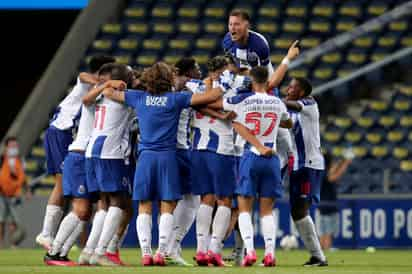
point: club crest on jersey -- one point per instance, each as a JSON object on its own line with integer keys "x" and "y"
{"x": 81, "y": 190}
{"x": 156, "y": 101}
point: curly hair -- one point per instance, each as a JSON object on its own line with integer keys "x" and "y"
{"x": 158, "y": 78}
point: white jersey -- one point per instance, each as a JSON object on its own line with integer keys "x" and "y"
{"x": 110, "y": 135}
{"x": 68, "y": 110}
{"x": 261, "y": 113}
{"x": 284, "y": 146}
{"x": 183, "y": 130}
{"x": 306, "y": 136}
{"x": 85, "y": 129}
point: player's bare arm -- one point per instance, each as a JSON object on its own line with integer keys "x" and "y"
{"x": 91, "y": 96}
{"x": 88, "y": 78}
{"x": 293, "y": 105}
{"x": 281, "y": 70}
{"x": 114, "y": 94}
{"x": 245, "y": 133}
{"x": 286, "y": 123}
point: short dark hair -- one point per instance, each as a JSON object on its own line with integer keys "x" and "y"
{"x": 185, "y": 65}
{"x": 96, "y": 62}
{"x": 117, "y": 72}
{"x": 216, "y": 63}
{"x": 305, "y": 85}
{"x": 10, "y": 139}
{"x": 240, "y": 13}
{"x": 259, "y": 74}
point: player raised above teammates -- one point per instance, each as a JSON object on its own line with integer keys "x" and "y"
{"x": 258, "y": 120}
{"x": 157, "y": 177}
{"x": 57, "y": 139}
{"x": 248, "y": 47}
{"x": 308, "y": 168}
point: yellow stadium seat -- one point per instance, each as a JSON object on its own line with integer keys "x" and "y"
{"x": 406, "y": 90}
{"x": 351, "y": 11}
{"x": 378, "y": 56}
{"x": 162, "y": 12}
{"x": 283, "y": 43}
{"x": 207, "y": 44}
{"x": 337, "y": 151}
{"x": 323, "y": 73}
{"x": 332, "y": 58}
{"x": 310, "y": 42}
{"x": 356, "y": 58}
{"x": 332, "y": 136}
{"x": 376, "y": 10}
{"x": 214, "y": 12}
{"x": 179, "y": 44}
{"x": 146, "y": 60}
{"x": 215, "y": 28}
{"x": 365, "y": 122}
{"x": 266, "y": 11}
{"x": 410, "y": 136}
{"x": 137, "y": 28}
{"x": 171, "y": 59}
{"x": 38, "y": 152}
{"x": 344, "y": 26}
{"x": 31, "y": 165}
{"x": 386, "y": 42}
{"x": 123, "y": 59}
{"x": 378, "y": 106}
{"x": 293, "y": 27}
{"x": 127, "y": 44}
{"x": 322, "y": 27}
{"x": 343, "y": 122}
{"x": 374, "y": 138}
{"x": 163, "y": 28}
{"x": 406, "y": 121}
{"x": 387, "y": 121}
{"x": 189, "y": 28}
{"x": 344, "y": 72}
{"x": 402, "y": 105}
{"x": 201, "y": 59}
{"x": 48, "y": 180}
{"x": 398, "y": 25}
{"x": 353, "y": 137}
{"x": 267, "y": 27}
{"x": 112, "y": 28}
{"x": 135, "y": 12}
{"x": 296, "y": 11}
{"x": 188, "y": 12}
{"x": 360, "y": 151}
{"x": 298, "y": 72}
{"x": 323, "y": 11}
{"x": 102, "y": 44}
{"x": 395, "y": 136}
{"x": 363, "y": 42}
{"x": 153, "y": 44}
{"x": 400, "y": 153}
{"x": 379, "y": 151}
{"x": 276, "y": 58}
{"x": 406, "y": 166}
{"x": 406, "y": 41}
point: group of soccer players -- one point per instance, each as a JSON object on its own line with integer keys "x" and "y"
{"x": 204, "y": 150}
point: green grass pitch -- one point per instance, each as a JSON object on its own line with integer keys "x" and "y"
{"x": 342, "y": 261}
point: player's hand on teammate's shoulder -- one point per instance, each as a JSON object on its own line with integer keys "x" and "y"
{"x": 293, "y": 51}
{"x": 116, "y": 84}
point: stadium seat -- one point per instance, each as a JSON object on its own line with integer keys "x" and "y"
{"x": 364, "y": 42}
{"x": 337, "y": 151}
{"x": 377, "y": 8}
{"x": 207, "y": 43}
{"x": 379, "y": 54}
{"x": 320, "y": 27}
{"x": 189, "y": 11}
{"x": 378, "y": 106}
{"x": 345, "y": 24}
{"x": 350, "y": 9}
{"x": 387, "y": 121}
{"x": 309, "y": 42}
{"x": 332, "y": 136}
{"x": 124, "y": 59}
{"x": 154, "y": 44}
{"x": 189, "y": 27}
{"x": 343, "y": 122}
{"x": 323, "y": 73}
{"x": 163, "y": 28}
{"x": 400, "y": 153}
{"x": 135, "y": 12}
{"x": 387, "y": 41}
{"x": 267, "y": 28}
{"x": 395, "y": 136}
{"x": 201, "y": 56}
{"x": 406, "y": 166}
{"x": 111, "y": 29}
{"x": 400, "y": 26}
{"x": 128, "y": 45}
{"x": 215, "y": 10}
{"x": 215, "y": 27}
{"x": 332, "y": 58}
{"x": 163, "y": 10}
{"x": 296, "y": 9}
{"x": 270, "y": 10}
{"x": 179, "y": 44}
{"x": 365, "y": 122}
{"x": 356, "y": 57}
{"x": 374, "y": 138}
{"x": 360, "y": 151}
{"x": 379, "y": 152}
{"x": 172, "y": 56}
{"x": 353, "y": 137}
{"x": 146, "y": 58}
{"x": 283, "y": 42}
{"x": 294, "y": 26}
{"x": 324, "y": 9}
{"x": 406, "y": 122}
{"x": 102, "y": 45}
{"x": 402, "y": 105}
{"x": 301, "y": 71}
{"x": 140, "y": 29}
{"x": 406, "y": 41}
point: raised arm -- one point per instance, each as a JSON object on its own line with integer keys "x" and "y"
{"x": 114, "y": 94}
{"x": 245, "y": 133}
{"x": 91, "y": 96}
{"x": 88, "y": 78}
{"x": 293, "y": 105}
{"x": 281, "y": 70}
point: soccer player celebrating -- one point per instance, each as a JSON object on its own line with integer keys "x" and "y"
{"x": 308, "y": 168}
{"x": 107, "y": 149}
{"x": 157, "y": 177}
{"x": 249, "y": 48}
{"x": 187, "y": 72}
{"x": 57, "y": 139}
{"x": 258, "y": 120}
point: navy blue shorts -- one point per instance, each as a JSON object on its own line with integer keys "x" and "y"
{"x": 213, "y": 173}
{"x": 184, "y": 162}
{"x": 56, "y": 144}
{"x": 305, "y": 184}
{"x": 109, "y": 175}
{"x": 259, "y": 176}
{"x": 74, "y": 176}
{"x": 157, "y": 177}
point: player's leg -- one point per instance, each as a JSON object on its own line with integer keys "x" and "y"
{"x": 144, "y": 231}
{"x": 56, "y": 143}
{"x": 246, "y": 228}
{"x": 224, "y": 179}
{"x": 117, "y": 240}
{"x": 304, "y": 188}
{"x": 268, "y": 230}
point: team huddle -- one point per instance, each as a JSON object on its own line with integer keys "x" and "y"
{"x": 202, "y": 149}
